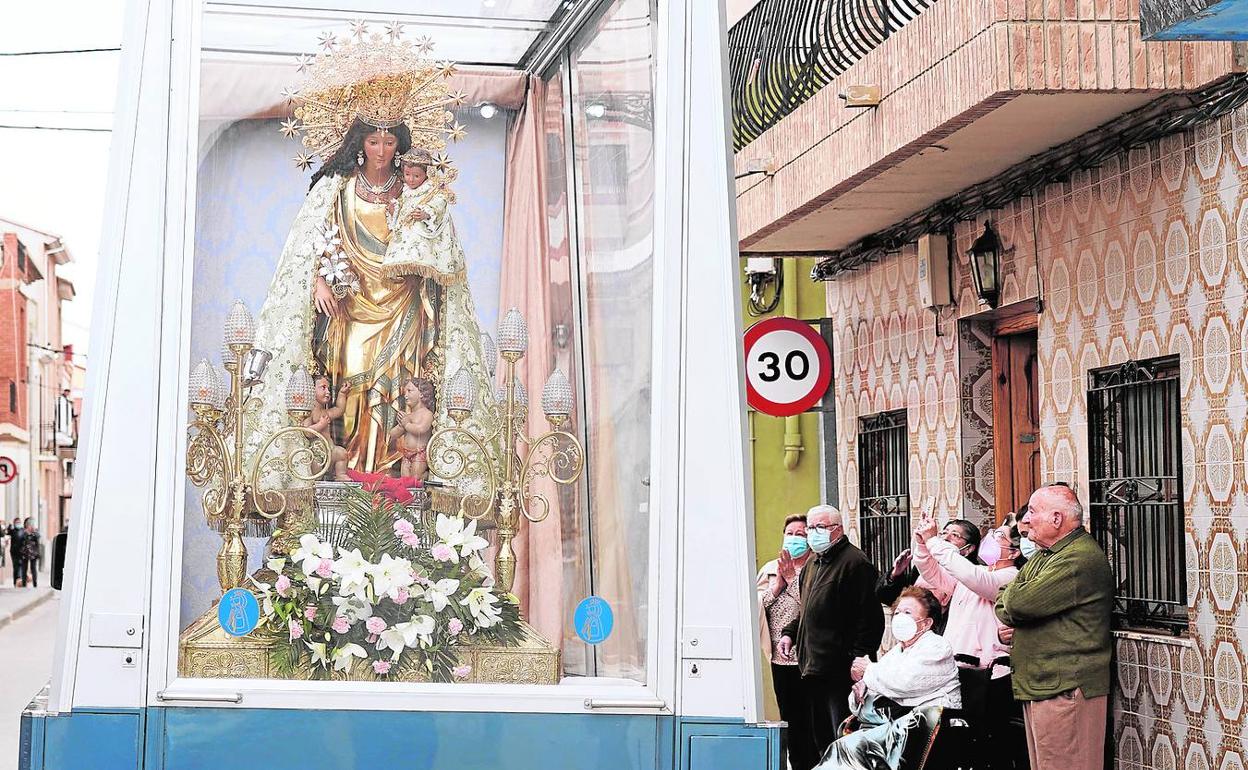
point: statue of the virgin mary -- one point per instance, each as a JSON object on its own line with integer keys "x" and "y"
{"x": 331, "y": 306}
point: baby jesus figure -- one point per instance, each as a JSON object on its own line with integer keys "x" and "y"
{"x": 415, "y": 427}
{"x": 423, "y": 242}
{"x": 323, "y": 416}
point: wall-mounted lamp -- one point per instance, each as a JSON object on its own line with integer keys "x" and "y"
{"x": 487, "y": 110}
{"x": 595, "y": 110}
{"x": 861, "y": 96}
{"x": 764, "y": 166}
{"x": 985, "y": 258}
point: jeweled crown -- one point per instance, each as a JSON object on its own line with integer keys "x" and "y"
{"x": 381, "y": 79}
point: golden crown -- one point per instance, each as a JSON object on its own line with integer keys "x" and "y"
{"x": 380, "y": 79}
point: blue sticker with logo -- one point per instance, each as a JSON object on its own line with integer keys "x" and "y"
{"x": 593, "y": 620}
{"x": 238, "y": 612}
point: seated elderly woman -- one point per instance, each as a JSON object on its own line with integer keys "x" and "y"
{"x": 916, "y": 673}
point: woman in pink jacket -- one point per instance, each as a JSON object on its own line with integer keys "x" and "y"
{"x": 972, "y": 628}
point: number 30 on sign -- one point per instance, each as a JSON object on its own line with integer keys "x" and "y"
{"x": 787, "y": 366}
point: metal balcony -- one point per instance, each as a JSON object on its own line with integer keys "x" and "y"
{"x": 784, "y": 51}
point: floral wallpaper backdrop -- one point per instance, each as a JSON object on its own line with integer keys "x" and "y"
{"x": 248, "y": 193}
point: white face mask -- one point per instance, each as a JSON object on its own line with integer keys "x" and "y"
{"x": 904, "y": 627}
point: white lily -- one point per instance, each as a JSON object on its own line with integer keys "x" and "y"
{"x": 327, "y": 239}
{"x": 352, "y": 608}
{"x": 332, "y": 270}
{"x": 310, "y": 552}
{"x": 391, "y": 574}
{"x": 472, "y": 541}
{"x": 352, "y": 570}
{"x": 277, "y": 565}
{"x": 343, "y": 656}
{"x": 480, "y": 602}
{"x": 439, "y": 594}
{"x": 399, "y": 636}
{"x": 319, "y": 656}
{"x": 451, "y": 530}
{"x": 424, "y": 626}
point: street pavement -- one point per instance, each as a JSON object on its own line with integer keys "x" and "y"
{"x": 27, "y": 630}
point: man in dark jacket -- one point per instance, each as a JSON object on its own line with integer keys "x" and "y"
{"x": 840, "y": 620}
{"x": 17, "y": 536}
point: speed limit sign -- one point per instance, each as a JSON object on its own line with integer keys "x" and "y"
{"x": 787, "y": 366}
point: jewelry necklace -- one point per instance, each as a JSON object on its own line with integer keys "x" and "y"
{"x": 377, "y": 189}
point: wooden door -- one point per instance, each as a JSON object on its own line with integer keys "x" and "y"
{"x": 1015, "y": 418}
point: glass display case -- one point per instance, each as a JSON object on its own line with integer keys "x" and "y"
{"x": 392, "y": 250}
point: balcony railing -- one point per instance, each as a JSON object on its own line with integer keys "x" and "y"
{"x": 784, "y": 51}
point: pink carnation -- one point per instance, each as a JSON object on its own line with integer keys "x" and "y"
{"x": 454, "y": 626}
{"x": 411, "y": 540}
{"x": 341, "y": 625}
{"x": 461, "y": 672}
{"x": 310, "y": 613}
{"x": 296, "y": 629}
{"x": 282, "y": 585}
{"x": 403, "y": 527}
{"x": 381, "y": 666}
{"x": 442, "y": 552}
{"x": 375, "y": 625}
{"x": 326, "y": 568}
{"x": 400, "y": 596}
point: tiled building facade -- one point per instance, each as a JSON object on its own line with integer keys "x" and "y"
{"x": 1146, "y": 256}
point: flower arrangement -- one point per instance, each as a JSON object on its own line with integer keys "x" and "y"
{"x": 385, "y": 599}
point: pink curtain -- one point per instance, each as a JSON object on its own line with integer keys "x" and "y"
{"x": 525, "y": 284}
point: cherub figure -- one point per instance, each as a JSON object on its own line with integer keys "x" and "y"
{"x": 415, "y": 426}
{"x": 323, "y": 415}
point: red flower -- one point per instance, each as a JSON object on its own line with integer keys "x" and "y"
{"x": 398, "y": 490}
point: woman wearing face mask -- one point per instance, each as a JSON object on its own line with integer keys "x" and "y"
{"x": 919, "y": 671}
{"x": 973, "y": 629}
{"x": 778, "y": 605}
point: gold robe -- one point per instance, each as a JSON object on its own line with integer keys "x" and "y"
{"x": 384, "y": 334}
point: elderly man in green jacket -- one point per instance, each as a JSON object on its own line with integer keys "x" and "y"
{"x": 1059, "y": 608}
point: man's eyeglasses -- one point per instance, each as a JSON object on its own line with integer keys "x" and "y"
{"x": 824, "y": 527}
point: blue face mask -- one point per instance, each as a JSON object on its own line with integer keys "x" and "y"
{"x": 795, "y": 545}
{"x": 1026, "y": 547}
{"x": 819, "y": 540}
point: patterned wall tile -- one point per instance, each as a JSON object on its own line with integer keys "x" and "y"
{"x": 1144, "y": 257}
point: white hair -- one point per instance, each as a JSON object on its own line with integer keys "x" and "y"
{"x": 830, "y": 510}
{"x": 1066, "y": 500}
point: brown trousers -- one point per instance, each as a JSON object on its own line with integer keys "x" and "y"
{"x": 1066, "y": 732}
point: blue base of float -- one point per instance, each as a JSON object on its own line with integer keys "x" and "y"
{"x": 221, "y": 739}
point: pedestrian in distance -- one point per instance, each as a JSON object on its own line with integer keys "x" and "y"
{"x": 16, "y": 555}
{"x": 1059, "y": 607}
{"x": 840, "y": 620}
{"x": 30, "y": 551}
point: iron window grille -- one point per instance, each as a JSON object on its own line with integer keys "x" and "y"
{"x": 1136, "y": 489}
{"x": 884, "y": 486}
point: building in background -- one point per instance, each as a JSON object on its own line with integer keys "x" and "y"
{"x": 1033, "y": 225}
{"x": 40, "y": 381}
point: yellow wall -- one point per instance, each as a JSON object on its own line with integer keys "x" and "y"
{"x": 779, "y": 491}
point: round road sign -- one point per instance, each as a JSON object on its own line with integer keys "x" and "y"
{"x": 787, "y": 366}
{"x": 8, "y": 470}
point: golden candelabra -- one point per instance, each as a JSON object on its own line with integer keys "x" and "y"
{"x": 234, "y": 493}
{"x": 507, "y": 462}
